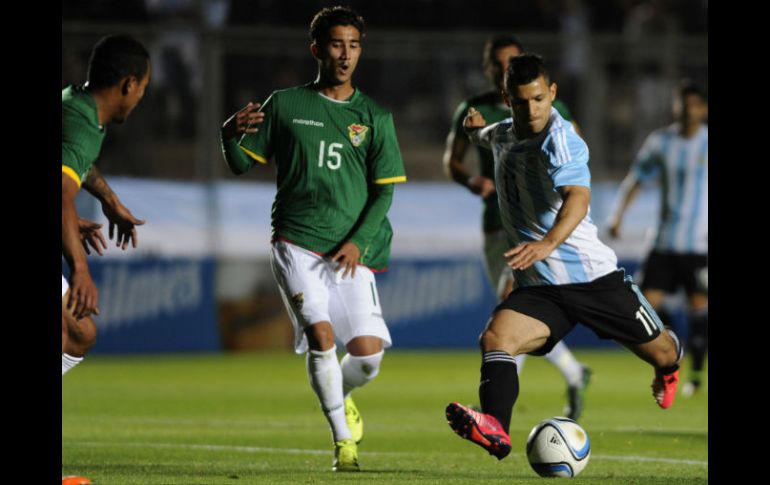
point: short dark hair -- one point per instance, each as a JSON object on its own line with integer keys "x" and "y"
{"x": 688, "y": 86}
{"x": 498, "y": 41}
{"x": 329, "y": 17}
{"x": 524, "y": 69}
{"x": 115, "y": 57}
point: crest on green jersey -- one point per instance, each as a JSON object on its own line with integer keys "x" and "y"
{"x": 357, "y": 133}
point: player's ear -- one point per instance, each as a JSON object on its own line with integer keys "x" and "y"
{"x": 127, "y": 84}
{"x": 314, "y": 49}
{"x": 506, "y": 98}
{"x": 552, "y": 89}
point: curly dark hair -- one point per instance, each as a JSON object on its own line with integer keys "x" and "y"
{"x": 115, "y": 57}
{"x": 330, "y": 17}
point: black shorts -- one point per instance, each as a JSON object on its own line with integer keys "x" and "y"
{"x": 667, "y": 271}
{"x": 612, "y": 306}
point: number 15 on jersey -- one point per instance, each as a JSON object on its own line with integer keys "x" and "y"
{"x": 333, "y": 158}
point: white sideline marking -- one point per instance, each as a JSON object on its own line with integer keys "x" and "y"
{"x": 651, "y": 459}
{"x": 213, "y": 423}
{"x": 301, "y": 451}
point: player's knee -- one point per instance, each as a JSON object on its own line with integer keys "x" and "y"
{"x": 357, "y": 370}
{"x": 488, "y": 340}
{"x": 320, "y": 336}
{"x": 81, "y": 336}
{"x": 491, "y": 340}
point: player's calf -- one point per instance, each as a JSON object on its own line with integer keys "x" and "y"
{"x": 666, "y": 378}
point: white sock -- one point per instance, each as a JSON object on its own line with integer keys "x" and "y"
{"x": 68, "y": 362}
{"x": 325, "y": 376}
{"x": 520, "y": 359}
{"x": 358, "y": 370}
{"x": 567, "y": 364}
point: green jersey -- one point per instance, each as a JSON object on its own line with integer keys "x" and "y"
{"x": 81, "y": 134}
{"x": 493, "y": 109}
{"x": 334, "y": 158}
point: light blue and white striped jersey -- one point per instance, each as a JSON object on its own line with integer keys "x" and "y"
{"x": 682, "y": 166}
{"x": 527, "y": 173}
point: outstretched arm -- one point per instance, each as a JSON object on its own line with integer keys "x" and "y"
{"x": 117, "y": 214}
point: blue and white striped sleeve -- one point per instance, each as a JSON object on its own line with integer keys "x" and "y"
{"x": 567, "y": 159}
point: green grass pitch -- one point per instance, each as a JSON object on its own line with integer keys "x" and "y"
{"x": 252, "y": 419}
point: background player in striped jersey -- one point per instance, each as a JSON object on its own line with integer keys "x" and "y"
{"x": 677, "y": 155}
{"x": 497, "y": 52}
{"x": 337, "y": 158}
{"x": 564, "y": 273}
{"x": 118, "y": 73}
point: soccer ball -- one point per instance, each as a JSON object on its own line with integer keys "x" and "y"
{"x": 558, "y": 447}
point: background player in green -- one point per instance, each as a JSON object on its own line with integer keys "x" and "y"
{"x": 497, "y": 52}
{"x": 118, "y": 73}
{"x": 337, "y": 159}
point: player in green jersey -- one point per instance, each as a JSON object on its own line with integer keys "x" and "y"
{"x": 337, "y": 159}
{"x": 497, "y": 52}
{"x": 118, "y": 73}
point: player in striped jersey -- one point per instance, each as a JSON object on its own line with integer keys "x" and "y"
{"x": 337, "y": 159}
{"x": 677, "y": 155}
{"x": 564, "y": 273}
{"x": 497, "y": 52}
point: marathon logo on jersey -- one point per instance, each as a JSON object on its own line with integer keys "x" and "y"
{"x": 357, "y": 133}
{"x": 298, "y": 300}
{"x": 318, "y": 124}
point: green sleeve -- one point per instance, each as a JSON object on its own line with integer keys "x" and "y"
{"x": 236, "y": 158}
{"x": 76, "y": 141}
{"x": 259, "y": 145}
{"x": 386, "y": 164}
{"x": 380, "y": 198}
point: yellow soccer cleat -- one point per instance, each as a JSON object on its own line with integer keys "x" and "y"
{"x": 345, "y": 456}
{"x": 353, "y": 418}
